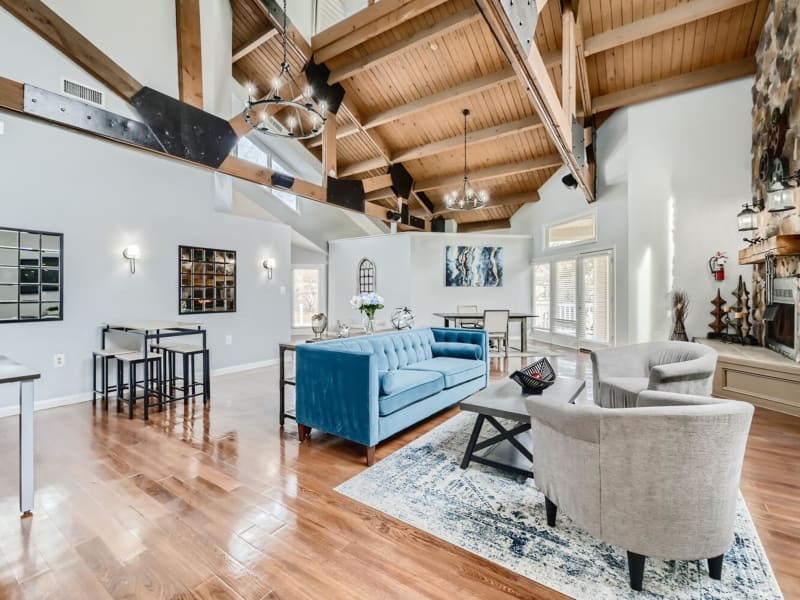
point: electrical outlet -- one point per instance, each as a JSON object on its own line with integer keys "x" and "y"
{"x": 59, "y": 360}
{"x": 228, "y": 340}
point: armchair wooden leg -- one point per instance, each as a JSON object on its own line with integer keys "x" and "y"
{"x": 551, "y": 510}
{"x": 636, "y": 570}
{"x": 715, "y": 567}
{"x": 370, "y": 455}
{"x": 303, "y": 431}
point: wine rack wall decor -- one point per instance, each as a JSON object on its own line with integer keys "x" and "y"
{"x": 207, "y": 280}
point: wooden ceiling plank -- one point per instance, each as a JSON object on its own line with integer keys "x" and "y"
{"x": 484, "y": 225}
{"x": 341, "y": 132}
{"x": 362, "y": 167}
{"x": 454, "y": 93}
{"x": 542, "y": 162}
{"x": 475, "y": 137}
{"x": 256, "y": 42}
{"x": 296, "y": 39}
{"x": 366, "y": 24}
{"x": 673, "y": 85}
{"x": 65, "y": 38}
{"x": 190, "y": 60}
{"x": 456, "y": 21}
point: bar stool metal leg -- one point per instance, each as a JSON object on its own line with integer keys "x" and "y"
{"x": 206, "y": 377}
{"x": 104, "y": 375}
{"x": 94, "y": 379}
{"x": 131, "y": 389}
{"x": 185, "y": 378}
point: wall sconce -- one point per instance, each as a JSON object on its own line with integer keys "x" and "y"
{"x": 747, "y": 219}
{"x": 269, "y": 265}
{"x": 780, "y": 200}
{"x": 132, "y": 252}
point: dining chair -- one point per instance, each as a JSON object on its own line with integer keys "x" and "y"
{"x": 495, "y": 323}
{"x": 468, "y": 323}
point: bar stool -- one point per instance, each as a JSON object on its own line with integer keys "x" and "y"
{"x": 105, "y": 357}
{"x": 187, "y": 353}
{"x": 132, "y": 361}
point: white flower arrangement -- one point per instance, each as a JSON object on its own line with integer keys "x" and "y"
{"x": 367, "y": 303}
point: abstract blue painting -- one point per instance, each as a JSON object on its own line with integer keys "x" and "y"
{"x": 474, "y": 266}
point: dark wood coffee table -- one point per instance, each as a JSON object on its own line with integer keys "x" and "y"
{"x": 510, "y": 448}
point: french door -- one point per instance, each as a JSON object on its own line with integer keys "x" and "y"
{"x": 573, "y": 299}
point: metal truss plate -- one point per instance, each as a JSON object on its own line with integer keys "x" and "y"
{"x": 185, "y": 131}
{"x": 80, "y": 115}
{"x": 523, "y": 15}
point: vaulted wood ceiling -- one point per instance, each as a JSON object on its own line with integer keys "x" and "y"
{"x": 407, "y": 85}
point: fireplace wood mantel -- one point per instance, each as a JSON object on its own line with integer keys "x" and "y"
{"x": 779, "y": 245}
{"x": 756, "y": 375}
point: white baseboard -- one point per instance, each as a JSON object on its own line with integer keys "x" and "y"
{"x": 10, "y": 411}
{"x": 245, "y": 367}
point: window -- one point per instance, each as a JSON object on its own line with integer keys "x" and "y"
{"x": 329, "y": 12}
{"x": 574, "y": 231}
{"x": 366, "y": 276}
{"x": 306, "y": 296}
{"x": 572, "y": 298}
{"x": 251, "y": 152}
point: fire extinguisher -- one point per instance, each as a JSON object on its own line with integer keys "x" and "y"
{"x": 717, "y": 265}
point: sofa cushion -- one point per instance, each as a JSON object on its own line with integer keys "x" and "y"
{"x": 622, "y": 392}
{"x": 455, "y": 370}
{"x": 405, "y": 387}
{"x": 457, "y": 350}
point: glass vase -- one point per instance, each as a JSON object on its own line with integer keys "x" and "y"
{"x": 369, "y": 324}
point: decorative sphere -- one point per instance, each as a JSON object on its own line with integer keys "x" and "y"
{"x": 402, "y": 318}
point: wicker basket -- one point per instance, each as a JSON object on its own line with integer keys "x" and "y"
{"x": 535, "y": 385}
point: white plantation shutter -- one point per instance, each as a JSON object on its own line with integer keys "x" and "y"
{"x": 565, "y": 313}
{"x": 541, "y": 296}
{"x": 595, "y": 298}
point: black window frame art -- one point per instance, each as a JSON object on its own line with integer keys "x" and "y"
{"x": 228, "y": 306}
{"x": 42, "y": 268}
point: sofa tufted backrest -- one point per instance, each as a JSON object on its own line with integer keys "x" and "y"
{"x": 393, "y": 350}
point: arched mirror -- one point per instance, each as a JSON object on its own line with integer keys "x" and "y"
{"x": 366, "y": 276}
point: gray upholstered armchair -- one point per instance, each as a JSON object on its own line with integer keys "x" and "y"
{"x": 661, "y": 479}
{"x": 621, "y": 373}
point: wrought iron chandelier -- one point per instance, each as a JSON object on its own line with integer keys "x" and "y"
{"x": 466, "y": 198}
{"x": 306, "y": 117}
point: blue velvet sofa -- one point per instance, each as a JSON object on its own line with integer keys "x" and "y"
{"x": 368, "y": 388}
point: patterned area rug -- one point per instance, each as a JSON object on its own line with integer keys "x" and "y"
{"x": 502, "y": 518}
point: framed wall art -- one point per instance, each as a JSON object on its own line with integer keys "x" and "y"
{"x": 207, "y": 280}
{"x": 474, "y": 266}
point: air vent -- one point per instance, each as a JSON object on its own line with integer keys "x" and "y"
{"x": 82, "y": 92}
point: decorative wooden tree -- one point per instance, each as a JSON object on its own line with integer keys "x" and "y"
{"x": 742, "y": 311}
{"x": 718, "y": 325}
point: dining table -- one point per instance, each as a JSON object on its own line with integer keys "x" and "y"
{"x": 13, "y": 372}
{"x": 515, "y": 317}
{"x": 149, "y": 331}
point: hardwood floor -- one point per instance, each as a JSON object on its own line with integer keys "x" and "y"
{"x": 221, "y": 504}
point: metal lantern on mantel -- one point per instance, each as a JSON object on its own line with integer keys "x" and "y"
{"x": 747, "y": 218}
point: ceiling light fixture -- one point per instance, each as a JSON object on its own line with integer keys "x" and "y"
{"x": 466, "y": 198}
{"x": 306, "y": 116}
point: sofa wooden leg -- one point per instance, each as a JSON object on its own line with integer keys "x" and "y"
{"x": 551, "y": 510}
{"x": 636, "y": 570}
{"x": 715, "y": 567}
{"x": 370, "y": 455}
{"x": 303, "y": 431}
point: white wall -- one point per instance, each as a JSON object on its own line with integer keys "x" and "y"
{"x": 411, "y": 272}
{"x": 672, "y": 175}
{"x": 689, "y": 166}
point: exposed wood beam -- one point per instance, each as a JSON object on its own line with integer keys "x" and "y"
{"x": 428, "y": 212}
{"x": 380, "y": 194}
{"x": 239, "y": 125}
{"x": 457, "y": 21}
{"x": 648, "y": 26}
{"x": 376, "y": 183}
{"x": 473, "y": 226}
{"x": 581, "y": 70}
{"x": 341, "y": 132}
{"x": 568, "y": 61}
{"x": 674, "y": 85}
{"x": 366, "y": 24}
{"x": 62, "y": 36}
{"x": 536, "y": 164}
{"x": 243, "y": 169}
{"x": 509, "y": 200}
{"x": 296, "y": 40}
{"x": 668, "y": 19}
{"x": 536, "y": 80}
{"x": 11, "y": 94}
{"x": 475, "y": 137}
{"x": 256, "y": 42}
{"x": 190, "y": 61}
{"x": 362, "y": 167}
{"x": 329, "y": 166}
{"x": 454, "y": 93}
